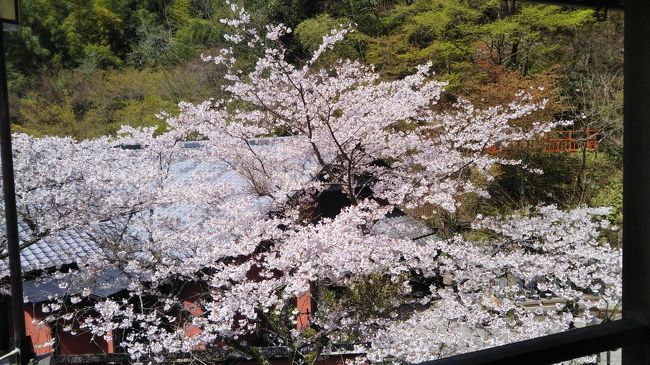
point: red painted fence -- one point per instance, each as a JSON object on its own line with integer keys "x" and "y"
{"x": 563, "y": 141}
{"x": 572, "y": 140}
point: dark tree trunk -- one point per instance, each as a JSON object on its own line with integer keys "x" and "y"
{"x": 513, "y": 53}
{"x": 508, "y": 7}
{"x": 512, "y": 7}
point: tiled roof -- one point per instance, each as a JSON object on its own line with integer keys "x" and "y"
{"x": 402, "y": 226}
{"x": 61, "y": 249}
{"x": 107, "y": 283}
{"x": 67, "y": 247}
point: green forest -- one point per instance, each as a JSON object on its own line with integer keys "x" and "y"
{"x": 82, "y": 68}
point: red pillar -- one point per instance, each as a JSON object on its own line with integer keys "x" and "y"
{"x": 304, "y": 306}
{"x": 38, "y": 330}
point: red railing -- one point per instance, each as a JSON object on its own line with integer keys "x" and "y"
{"x": 572, "y": 140}
{"x": 562, "y": 141}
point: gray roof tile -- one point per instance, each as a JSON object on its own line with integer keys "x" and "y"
{"x": 66, "y": 247}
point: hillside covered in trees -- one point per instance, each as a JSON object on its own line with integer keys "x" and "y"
{"x": 84, "y": 68}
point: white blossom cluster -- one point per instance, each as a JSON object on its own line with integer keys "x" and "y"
{"x": 540, "y": 274}
{"x": 242, "y": 253}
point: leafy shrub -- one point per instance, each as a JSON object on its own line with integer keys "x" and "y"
{"x": 611, "y": 195}
{"x": 97, "y": 56}
{"x": 310, "y": 32}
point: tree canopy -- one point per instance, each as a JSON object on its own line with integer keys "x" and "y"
{"x": 238, "y": 221}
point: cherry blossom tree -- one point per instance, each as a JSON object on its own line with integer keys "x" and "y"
{"x": 232, "y": 224}
{"x": 537, "y": 274}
